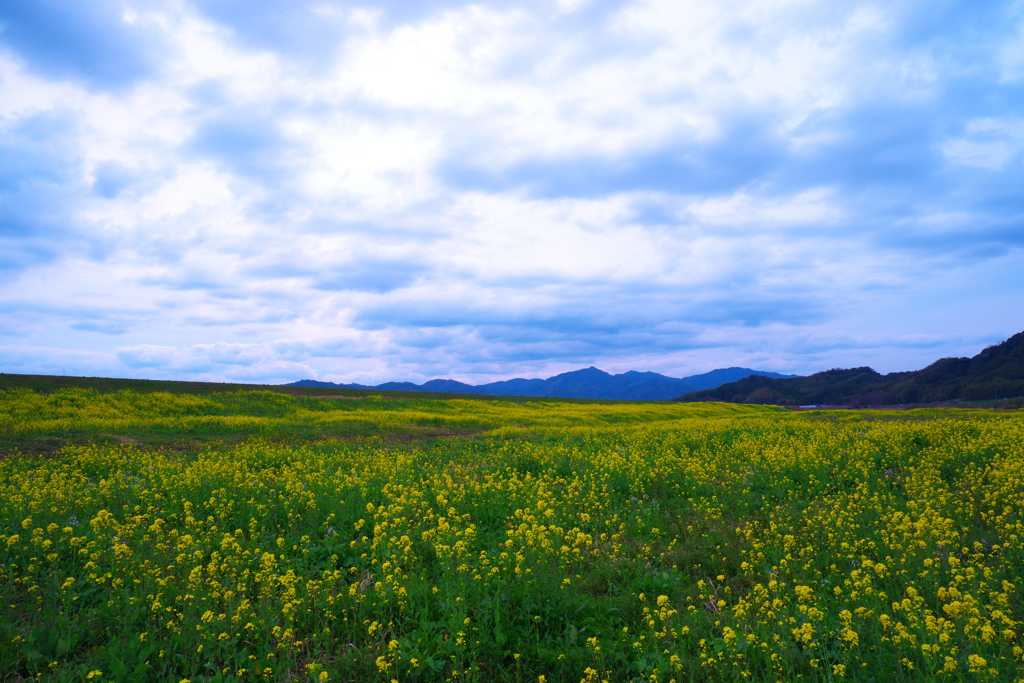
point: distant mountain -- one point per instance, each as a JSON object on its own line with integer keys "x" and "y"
{"x": 996, "y": 372}
{"x": 715, "y": 378}
{"x": 586, "y": 383}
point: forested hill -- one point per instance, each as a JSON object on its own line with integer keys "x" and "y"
{"x": 997, "y": 372}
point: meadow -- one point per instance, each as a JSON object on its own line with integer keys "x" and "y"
{"x": 254, "y": 536}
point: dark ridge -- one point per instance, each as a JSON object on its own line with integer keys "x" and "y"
{"x": 995, "y": 373}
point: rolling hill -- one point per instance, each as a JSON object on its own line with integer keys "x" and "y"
{"x": 995, "y": 373}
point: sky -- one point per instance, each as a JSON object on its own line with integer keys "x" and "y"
{"x": 261, "y": 191}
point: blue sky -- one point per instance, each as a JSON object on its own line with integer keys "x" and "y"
{"x": 262, "y": 191}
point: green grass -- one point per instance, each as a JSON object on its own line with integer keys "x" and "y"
{"x": 49, "y": 440}
{"x": 52, "y": 383}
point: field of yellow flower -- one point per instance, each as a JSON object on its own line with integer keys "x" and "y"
{"x": 419, "y": 540}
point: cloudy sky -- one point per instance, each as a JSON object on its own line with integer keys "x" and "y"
{"x": 263, "y": 191}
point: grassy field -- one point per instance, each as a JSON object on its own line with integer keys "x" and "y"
{"x": 45, "y": 384}
{"x": 49, "y": 383}
{"x": 261, "y": 536}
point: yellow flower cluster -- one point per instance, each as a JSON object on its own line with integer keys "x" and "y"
{"x": 562, "y": 541}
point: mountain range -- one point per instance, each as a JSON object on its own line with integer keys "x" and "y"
{"x": 995, "y": 373}
{"x": 586, "y": 383}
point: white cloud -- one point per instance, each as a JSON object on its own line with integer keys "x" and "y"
{"x": 501, "y": 191}
{"x": 24, "y": 94}
{"x": 989, "y": 143}
{"x": 815, "y": 206}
